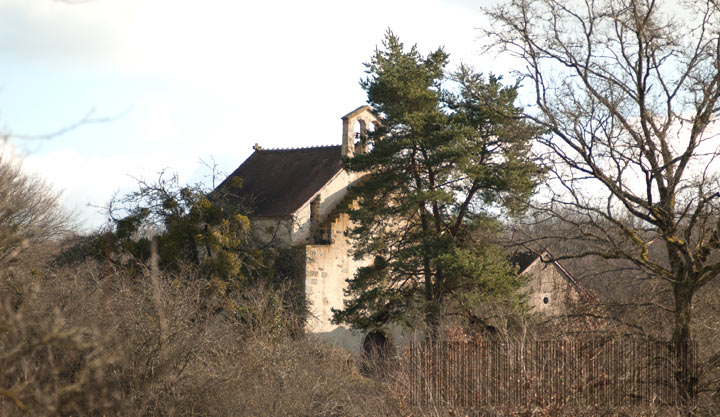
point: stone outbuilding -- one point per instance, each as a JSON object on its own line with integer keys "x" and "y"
{"x": 551, "y": 287}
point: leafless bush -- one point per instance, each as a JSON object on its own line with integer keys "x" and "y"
{"x": 85, "y": 340}
{"x": 84, "y": 337}
{"x": 29, "y": 210}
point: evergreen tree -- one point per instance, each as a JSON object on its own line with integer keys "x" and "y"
{"x": 450, "y": 158}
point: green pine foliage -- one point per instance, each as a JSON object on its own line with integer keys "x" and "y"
{"x": 450, "y": 159}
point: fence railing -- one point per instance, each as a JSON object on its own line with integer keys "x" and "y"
{"x": 540, "y": 373}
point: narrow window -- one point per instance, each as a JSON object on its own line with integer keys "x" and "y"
{"x": 315, "y": 214}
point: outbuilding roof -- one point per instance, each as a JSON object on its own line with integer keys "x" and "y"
{"x": 280, "y": 181}
{"x": 525, "y": 260}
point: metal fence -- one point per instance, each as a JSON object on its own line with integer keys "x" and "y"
{"x": 544, "y": 373}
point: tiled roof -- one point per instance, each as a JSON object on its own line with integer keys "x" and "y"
{"x": 280, "y": 181}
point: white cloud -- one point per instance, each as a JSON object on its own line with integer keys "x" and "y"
{"x": 51, "y": 32}
{"x": 90, "y": 182}
{"x": 203, "y": 79}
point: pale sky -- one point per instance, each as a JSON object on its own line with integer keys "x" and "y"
{"x": 185, "y": 80}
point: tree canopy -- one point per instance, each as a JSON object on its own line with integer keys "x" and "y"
{"x": 629, "y": 91}
{"x": 443, "y": 166}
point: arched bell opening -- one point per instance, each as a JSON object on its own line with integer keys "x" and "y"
{"x": 361, "y": 140}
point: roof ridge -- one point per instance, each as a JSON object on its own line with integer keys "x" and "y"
{"x": 299, "y": 149}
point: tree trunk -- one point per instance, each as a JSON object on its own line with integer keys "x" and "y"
{"x": 431, "y": 313}
{"x": 683, "y": 347}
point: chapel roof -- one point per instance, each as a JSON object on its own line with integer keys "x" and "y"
{"x": 280, "y": 181}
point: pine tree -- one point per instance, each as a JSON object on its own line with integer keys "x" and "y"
{"x": 449, "y": 159}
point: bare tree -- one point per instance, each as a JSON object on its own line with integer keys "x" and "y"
{"x": 30, "y": 210}
{"x": 628, "y": 91}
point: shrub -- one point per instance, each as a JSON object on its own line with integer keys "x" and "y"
{"x": 88, "y": 340}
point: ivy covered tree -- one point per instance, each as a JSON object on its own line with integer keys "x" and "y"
{"x": 450, "y": 158}
{"x": 198, "y": 234}
{"x": 190, "y": 227}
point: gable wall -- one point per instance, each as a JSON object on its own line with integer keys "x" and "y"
{"x": 547, "y": 281}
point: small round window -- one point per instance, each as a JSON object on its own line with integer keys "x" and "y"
{"x": 546, "y": 300}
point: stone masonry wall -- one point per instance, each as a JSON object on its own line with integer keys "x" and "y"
{"x": 273, "y": 229}
{"x": 327, "y": 269}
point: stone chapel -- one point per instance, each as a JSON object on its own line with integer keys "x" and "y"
{"x": 300, "y": 198}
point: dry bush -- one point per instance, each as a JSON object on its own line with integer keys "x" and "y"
{"x": 80, "y": 337}
{"x": 298, "y": 379}
{"x": 87, "y": 341}
{"x": 91, "y": 340}
{"x": 30, "y": 210}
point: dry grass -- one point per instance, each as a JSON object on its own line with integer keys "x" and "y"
{"x": 91, "y": 340}
{"x": 83, "y": 340}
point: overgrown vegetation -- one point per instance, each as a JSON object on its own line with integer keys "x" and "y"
{"x": 87, "y": 340}
{"x": 29, "y": 210}
{"x": 176, "y": 309}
